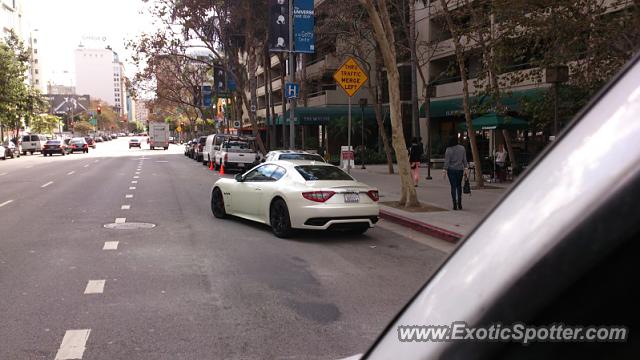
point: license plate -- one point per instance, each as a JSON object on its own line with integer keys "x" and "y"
{"x": 351, "y": 197}
{"x": 240, "y": 164}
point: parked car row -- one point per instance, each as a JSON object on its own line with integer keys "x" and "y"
{"x": 218, "y": 150}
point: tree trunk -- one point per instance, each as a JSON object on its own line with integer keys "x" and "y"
{"x": 465, "y": 93}
{"x": 252, "y": 64}
{"x": 377, "y": 106}
{"x": 384, "y": 33}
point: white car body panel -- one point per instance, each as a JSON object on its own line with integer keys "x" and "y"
{"x": 252, "y": 200}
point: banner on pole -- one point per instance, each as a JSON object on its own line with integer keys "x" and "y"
{"x": 279, "y": 25}
{"x": 303, "y": 26}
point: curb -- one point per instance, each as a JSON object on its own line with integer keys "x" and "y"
{"x": 420, "y": 226}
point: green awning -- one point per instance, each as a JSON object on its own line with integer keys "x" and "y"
{"x": 322, "y": 115}
{"x": 479, "y": 104}
{"x": 493, "y": 121}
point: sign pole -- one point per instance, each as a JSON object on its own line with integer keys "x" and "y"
{"x": 292, "y": 79}
{"x": 349, "y": 138}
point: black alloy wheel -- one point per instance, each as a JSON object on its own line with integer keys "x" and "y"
{"x": 279, "y": 218}
{"x": 217, "y": 204}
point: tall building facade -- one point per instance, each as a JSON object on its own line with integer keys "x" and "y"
{"x": 100, "y": 74}
{"x": 11, "y": 16}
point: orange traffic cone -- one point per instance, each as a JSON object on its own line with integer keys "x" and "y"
{"x": 211, "y": 165}
{"x": 222, "y": 169}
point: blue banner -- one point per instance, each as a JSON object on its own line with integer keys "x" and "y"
{"x": 303, "y": 26}
{"x": 206, "y": 96}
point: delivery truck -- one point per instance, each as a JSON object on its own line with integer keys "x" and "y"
{"x": 158, "y": 135}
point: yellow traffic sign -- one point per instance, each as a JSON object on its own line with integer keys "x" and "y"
{"x": 179, "y": 129}
{"x": 350, "y": 77}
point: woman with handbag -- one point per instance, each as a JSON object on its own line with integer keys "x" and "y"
{"x": 455, "y": 165}
{"x": 415, "y": 153}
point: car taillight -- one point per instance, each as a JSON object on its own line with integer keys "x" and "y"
{"x": 318, "y": 196}
{"x": 374, "y": 195}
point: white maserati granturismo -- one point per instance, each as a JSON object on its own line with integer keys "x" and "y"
{"x": 297, "y": 194}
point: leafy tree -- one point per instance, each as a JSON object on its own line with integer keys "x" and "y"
{"x": 380, "y": 18}
{"x": 82, "y": 127}
{"x": 45, "y": 124}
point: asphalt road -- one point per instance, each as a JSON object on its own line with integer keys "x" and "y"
{"x": 192, "y": 287}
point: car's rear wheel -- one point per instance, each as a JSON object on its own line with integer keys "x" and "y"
{"x": 280, "y": 220}
{"x": 217, "y": 204}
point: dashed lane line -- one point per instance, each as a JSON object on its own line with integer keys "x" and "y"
{"x": 94, "y": 287}
{"x": 86, "y": 166}
{"x": 47, "y": 184}
{"x": 6, "y": 203}
{"x": 128, "y": 196}
{"x": 73, "y": 344}
{"x": 110, "y": 245}
{"x": 3, "y": 174}
{"x": 71, "y": 172}
{"x": 132, "y": 187}
{"x": 120, "y": 220}
{"x": 125, "y": 207}
{"x": 134, "y": 182}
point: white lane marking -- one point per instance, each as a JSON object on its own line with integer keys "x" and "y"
{"x": 162, "y": 161}
{"x": 125, "y": 207}
{"x": 86, "y": 165}
{"x": 94, "y": 287}
{"x": 95, "y": 161}
{"x": 47, "y": 184}
{"x": 132, "y": 187}
{"x": 128, "y": 196}
{"x": 136, "y": 177}
{"x": 6, "y": 203}
{"x": 71, "y": 172}
{"x": 134, "y": 182}
{"x": 3, "y": 174}
{"x": 110, "y": 245}
{"x": 28, "y": 167}
{"x": 73, "y": 344}
{"x": 137, "y": 172}
{"x": 120, "y": 220}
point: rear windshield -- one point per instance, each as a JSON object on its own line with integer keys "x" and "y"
{"x": 134, "y": 140}
{"x": 312, "y": 157}
{"x": 319, "y": 172}
{"x": 53, "y": 142}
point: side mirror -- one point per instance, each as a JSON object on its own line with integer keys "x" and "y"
{"x": 239, "y": 178}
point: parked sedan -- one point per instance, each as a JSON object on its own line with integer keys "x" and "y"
{"x": 9, "y": 150}
{"x": 292, "y": 195}
{"x": 135, "y": 142}
{"x": 78, "y": 144}
{"x": 54, "y": 147}
{"x": 90, "y": 142}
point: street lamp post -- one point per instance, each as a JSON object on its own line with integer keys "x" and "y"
{"x": 431, "y": 92}
{"x": 363, "y": 103}
{"x": 555, "y": 75}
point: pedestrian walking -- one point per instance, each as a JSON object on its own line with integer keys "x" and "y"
{"x": 501, "y": 160}
{"x": 415, "y": 153}
{"x": 455, "y": 165}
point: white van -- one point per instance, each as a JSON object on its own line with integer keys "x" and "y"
{"x": 33, "y": 143}
{"x": 212, "y": 146}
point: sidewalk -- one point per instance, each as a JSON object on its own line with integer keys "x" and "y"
{"x": 441, "y": 222}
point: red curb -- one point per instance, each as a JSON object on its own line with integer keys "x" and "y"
{"x": 424, "y": 228}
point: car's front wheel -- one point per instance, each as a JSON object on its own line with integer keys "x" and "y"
{"x": 279, "y": 219}
{"x": 217, "y": 204}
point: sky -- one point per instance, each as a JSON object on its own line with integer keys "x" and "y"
{"x": 63, "y": 24}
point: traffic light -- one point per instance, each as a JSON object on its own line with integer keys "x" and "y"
{"x": 99, "y": 110}
{"x": 219, "y": 78}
